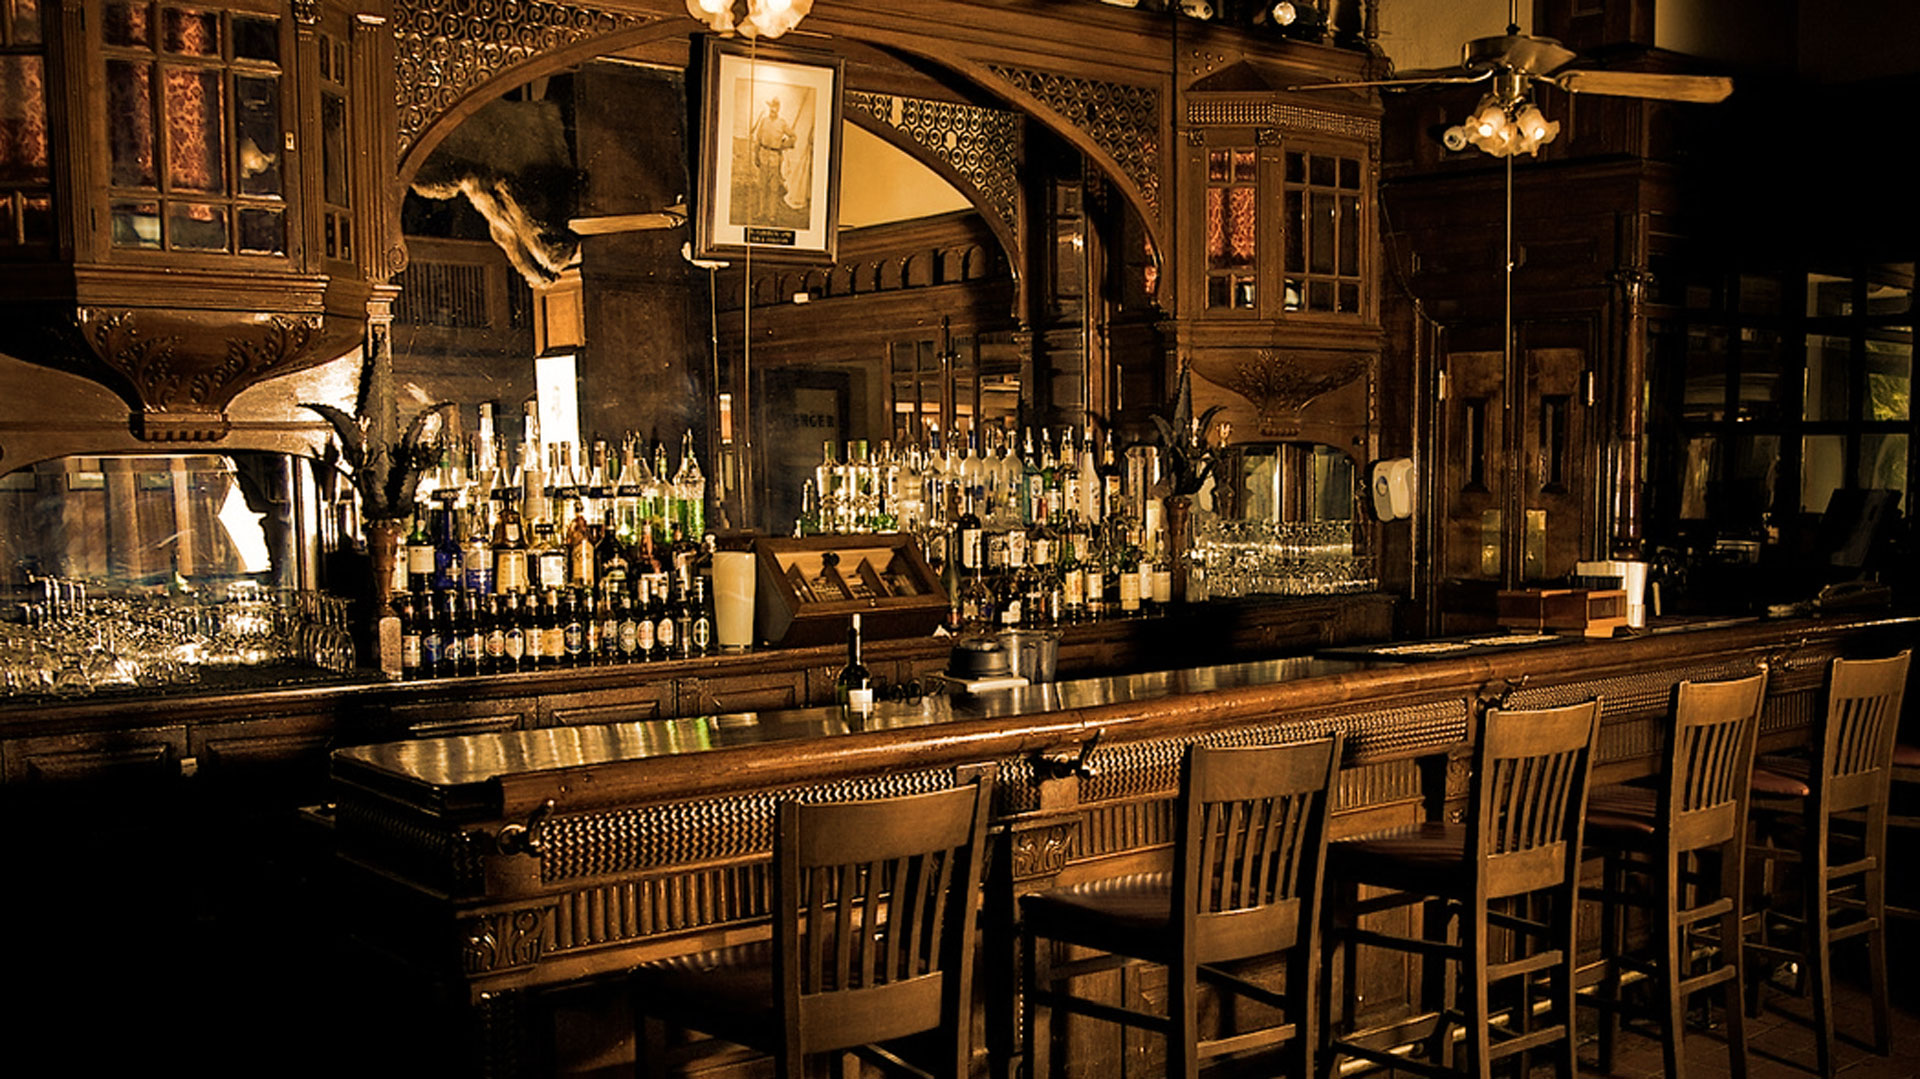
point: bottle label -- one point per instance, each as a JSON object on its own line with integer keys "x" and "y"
{"x": 629, "y": 637}
{"x": 536, "y": 644}
{"x": 496, "y": 643}
{"x": 860, "y": 700}
{"x": 450, "y": 648}
{"x": 515, "y": 644}
{"x": 1130, "y": 591}
{"x": 702, "y": 634}
{"x": 510, "y": 570}
{"x": 575, "y": 639}
{"x": 475, "y": 645}
{"x": 555, "y": 642}
{"x": 410, "y": 651}
{"x": 643, "y": 633}
{"x": 1076, "y": 588}
{"x": 663, "y": 634}
{"x": 970, "y": 548}
{"x": 431, "y": 651}
{"x": 420, "y": 559}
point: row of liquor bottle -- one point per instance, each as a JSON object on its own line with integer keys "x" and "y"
{"x": 549, "y": 523}
{"x": 1020, "y": 575}
{"x": 921, "y": 486}
{"x": 644, "y": 618}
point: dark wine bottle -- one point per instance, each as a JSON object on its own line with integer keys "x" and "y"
{"x": 854, "y": 687}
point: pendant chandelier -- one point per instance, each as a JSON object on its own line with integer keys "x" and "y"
{"x": 762, "y": 18}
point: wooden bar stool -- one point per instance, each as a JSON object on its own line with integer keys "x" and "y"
{"x": 874, "y": 905}
{"x": 1250, "y": 842}
{"x": 1676, "y": 850}
{"x": 1827, "y": 813}
{"x": 1520, "y": 841}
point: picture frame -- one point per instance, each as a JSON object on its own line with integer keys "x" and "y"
{"x": 769, "y": 146}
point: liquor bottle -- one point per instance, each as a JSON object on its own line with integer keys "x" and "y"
{"x": 493, "y": 615}
{"x": 573, "y": 630}
{"x": 666, "y": 621}
{"x": 606, "y": 647}
{"x": 692, "y": 488}
{"x": 534, "y": 635}
{"x": 700, "y": 632}
{"x": 626, "y": 628}
{"x": 853, "y": 688}
{"x": 548, "y": 557}
{"x": 476, "y": 552}
{"x": 1092, "y": 486}
{"x": 627, "y": 490}
{"x": 970, "y": 539}
{"x": 596, "y": 492}
{"x": 513, "y": 633}
{"x": 665, "y": 511}
{"x": 644, "y": 618}
{"x": 433, "y": 640}
{"x": 610, "y": 566}
{"x": 1033, "y": 484}
{"x": 1073, "y": 581}
{"x": 445, "y": 528}
{"x": 409, "y": 635}
{"x": 419, "y": 553}
{"x": 808, "y": 523}
{"x": 553, "y": 630}
{"x": 533, "y": 473}
{"x": 473, "y": 632}
{"x": 453, "y": 635}
{"x": 509, "y": 548}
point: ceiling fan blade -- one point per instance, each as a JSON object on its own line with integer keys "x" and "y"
{"x": 671, "y": 217}
{"x": 1406, "y": 81}
{"x": 1521, "y": 52}
{"x": 1702, "y": 88}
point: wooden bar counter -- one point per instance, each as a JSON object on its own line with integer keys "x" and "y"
{"x": 515, "y": 874}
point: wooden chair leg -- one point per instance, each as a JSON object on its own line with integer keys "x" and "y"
{"x": 1183, "y": 1024}
{"x": 1036, "y": 1026}
{"x": 1672, "y": 944}
{"x": 1875, "y": 887}
{"x": 1819, "y": 957}
{"x": 1613, "y": 917}
{"x": 1566, "y": 990}
{"x": 1733, "y": 950}
{"x": 1479, "y": 1038}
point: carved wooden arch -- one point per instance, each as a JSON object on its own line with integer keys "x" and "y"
{"x": 454, "y": 56}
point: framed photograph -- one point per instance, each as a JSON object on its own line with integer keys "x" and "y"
{"x": 769, "y": 153}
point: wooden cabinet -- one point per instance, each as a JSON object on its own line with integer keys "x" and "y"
{"x": 216, "y": 200}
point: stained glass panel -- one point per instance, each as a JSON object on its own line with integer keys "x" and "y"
{"x": 130, "y": 124}
{"x": 23, "y": 120}
{"x": 195, "y": 111}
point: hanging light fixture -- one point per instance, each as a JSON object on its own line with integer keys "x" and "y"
{"x": 1506, "y": 122}
{"x": 762, "y": 18}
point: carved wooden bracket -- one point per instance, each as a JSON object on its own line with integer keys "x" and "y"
{"x": 179, "y": 370}
{"x": 1281, "y": 382}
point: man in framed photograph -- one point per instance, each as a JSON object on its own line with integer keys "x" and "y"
{"x": 771, "y": 137}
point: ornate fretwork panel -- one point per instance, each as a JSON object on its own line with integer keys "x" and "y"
{"x": 1121, "y": 118}
{"x": 650, "y": 837}
{"x": 1281, "y": 117}
{"x": 982, "y": 145}
{"x": 447, "y": 47}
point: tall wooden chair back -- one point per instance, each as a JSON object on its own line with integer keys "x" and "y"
{"x": 1864, "y": 697}
{"x": 1529, "y": 797}
{"x": 1252, "y": 841}
{"x": 875, "y": 911}
{"x": 1709, "y": 767}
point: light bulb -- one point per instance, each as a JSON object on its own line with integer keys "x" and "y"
{"x": 1533, "y": 123}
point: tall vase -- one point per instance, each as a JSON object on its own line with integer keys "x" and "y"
{"x": 383, "y": 552}
{"x": 1180, "y": 543}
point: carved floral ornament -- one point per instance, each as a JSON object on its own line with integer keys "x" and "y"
{"x": 1281, "y": 382}
{"x": 179, "y": 370}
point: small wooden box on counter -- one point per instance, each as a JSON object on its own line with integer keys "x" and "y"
{"x": 1594, "y": 612}
{"x": 810, "y": 586}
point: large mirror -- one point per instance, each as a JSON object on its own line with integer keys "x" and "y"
{"x": 912, "y": 330}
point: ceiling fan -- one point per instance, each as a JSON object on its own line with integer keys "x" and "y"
{"x": 1506, "y": 121}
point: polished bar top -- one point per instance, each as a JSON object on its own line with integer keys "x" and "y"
{"x": 511, "y": 771}
{"x": 464, "y": 760}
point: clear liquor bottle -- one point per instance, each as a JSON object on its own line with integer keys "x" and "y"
{"x": 853, "y": 686}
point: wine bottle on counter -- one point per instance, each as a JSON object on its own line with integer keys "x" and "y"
{"x": 853, "y": 689}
